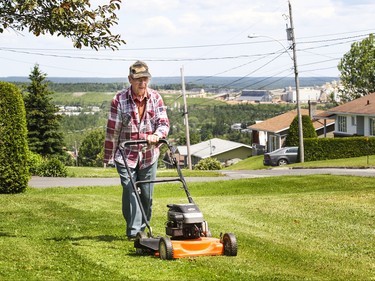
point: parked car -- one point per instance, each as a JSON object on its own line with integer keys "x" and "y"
{"x": 281, "y": 156}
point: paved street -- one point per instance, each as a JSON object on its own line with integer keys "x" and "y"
{"x": 45, "y": 182}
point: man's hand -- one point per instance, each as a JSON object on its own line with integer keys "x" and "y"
{"x": 152, "y": 139}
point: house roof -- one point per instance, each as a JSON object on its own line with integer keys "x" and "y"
{"x": 362, "y": 106}
{"x": 255, "y": 95}
{"x": 211, "y": 148}
{"x": 282, "y": 122}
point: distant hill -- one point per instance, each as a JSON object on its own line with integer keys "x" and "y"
{"x": 216, "y": 82}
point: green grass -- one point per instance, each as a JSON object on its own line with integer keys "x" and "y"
{"x": 96, "y": 172}
{"x": 252, "y": 163}
{"x": 317, "y": 227}
{"x": 256, "y": 163}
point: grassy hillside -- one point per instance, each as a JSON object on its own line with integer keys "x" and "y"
{"x": 287, "y": 228}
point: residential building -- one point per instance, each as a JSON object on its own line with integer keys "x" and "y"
{"x": 227, "y": 152}
{"x": 354, "y": 118}
{"x": 272, "y": 132}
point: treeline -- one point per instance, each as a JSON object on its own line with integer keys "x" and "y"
{"x": 109, "y": 87}
{"x": 205, "y": 121}
{"x": 79, "y": 87}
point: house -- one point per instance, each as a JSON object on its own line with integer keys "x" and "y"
{"x": 354, "y": 118}
{"x": 272, "y": 132}
{"x": 255, "y": 96}
{"x": 223, "y": 150}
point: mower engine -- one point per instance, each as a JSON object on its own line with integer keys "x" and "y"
{"x": 185, "y": 221}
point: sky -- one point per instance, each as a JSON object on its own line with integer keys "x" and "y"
{"x": 204, "y": 38}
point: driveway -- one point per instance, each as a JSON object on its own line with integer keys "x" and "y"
{"x": 45, "y": 182}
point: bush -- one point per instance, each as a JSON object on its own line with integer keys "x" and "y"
{"x": 208, "y": 164}
{"x": 35, "y": 161}
{"x": 91, "y": 149}
{"x": 335, "y": 148}
{"x": 14, "y": 169}
{"x": 52, "y": 168}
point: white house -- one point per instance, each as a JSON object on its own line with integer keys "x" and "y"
{"x": 354, "y": 118}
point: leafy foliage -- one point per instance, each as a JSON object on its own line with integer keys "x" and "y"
{"x": 45, "y": 167}
{"x": 357, "y": 69}
{"x": 35, "y": 161}
{"x": 91, "y": 150}
{"x": 14, "y": 171}
{"x": 208, "y": 164}
{"x": 308, "y": 131}
{"x": 68, "y": 18}
{"x": 43, "y": 124}
{"x": 336, "y": 148}
{"x": 52, "y": 168}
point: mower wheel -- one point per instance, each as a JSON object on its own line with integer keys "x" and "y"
{"x": 140, "y": 235}
{"x": 165, "y": 248}
{"x": 230, "y": 244}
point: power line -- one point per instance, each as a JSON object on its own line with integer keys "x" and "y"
{"x": 31, "y": 51}
{"x": 192, "y": 46}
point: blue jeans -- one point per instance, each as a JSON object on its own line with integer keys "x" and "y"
{"x": 130, "y": 207}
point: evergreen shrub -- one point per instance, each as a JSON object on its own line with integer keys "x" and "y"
{"x": 14, "y": 168}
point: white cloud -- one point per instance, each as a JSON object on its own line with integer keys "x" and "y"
{"x": 166, "y": 23}
{"x": 158, "y": 26}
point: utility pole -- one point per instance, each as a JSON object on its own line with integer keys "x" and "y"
{"x": 291, "y": 37}
{"x": 186, "y": 119}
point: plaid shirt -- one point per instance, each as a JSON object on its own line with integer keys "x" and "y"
{"x": 123, "y": 124}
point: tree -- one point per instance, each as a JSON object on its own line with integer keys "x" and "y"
{"x": 91, "y": 148}
{"x": 68, "y": 18}
{"x": 357, "y": 69}
{"x": 43, "y": 124}
{"x": 308, "y": 130}
{"x": 14, "y": 171}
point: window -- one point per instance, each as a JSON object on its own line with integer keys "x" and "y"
{"x": 341, "y": 124}
{"x": 274, "y": 143}
{"x": 372, "y": 126}
{"x": 354, "y": 120}
{"x": 292, "y": 150}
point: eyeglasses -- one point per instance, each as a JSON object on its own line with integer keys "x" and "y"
{"x": 141, "y": 80}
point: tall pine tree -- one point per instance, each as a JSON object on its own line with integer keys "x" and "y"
{"x": 44, "y": 135}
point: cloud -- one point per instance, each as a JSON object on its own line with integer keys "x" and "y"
{"x": 158, "y": 26}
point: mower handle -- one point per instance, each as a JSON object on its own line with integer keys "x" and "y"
{"x": 136, "y": 142}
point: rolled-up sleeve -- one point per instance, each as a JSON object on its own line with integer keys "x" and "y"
{"x": 162, "y": 121}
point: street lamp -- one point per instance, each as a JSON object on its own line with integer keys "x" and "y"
{"x": 290, "y": 36}
{"x": 252, "y": 36}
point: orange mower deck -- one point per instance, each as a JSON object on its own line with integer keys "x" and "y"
{"x": 203, "y": 246}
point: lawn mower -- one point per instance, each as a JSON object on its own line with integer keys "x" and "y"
{"x": 187, "y": 233}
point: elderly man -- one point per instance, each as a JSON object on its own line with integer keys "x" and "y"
{"x": 137, "y": 113}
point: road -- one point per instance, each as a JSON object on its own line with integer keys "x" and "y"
{"x": 45, "y": 182}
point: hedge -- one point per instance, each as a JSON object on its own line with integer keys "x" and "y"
{"x": 334, "y": 148}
